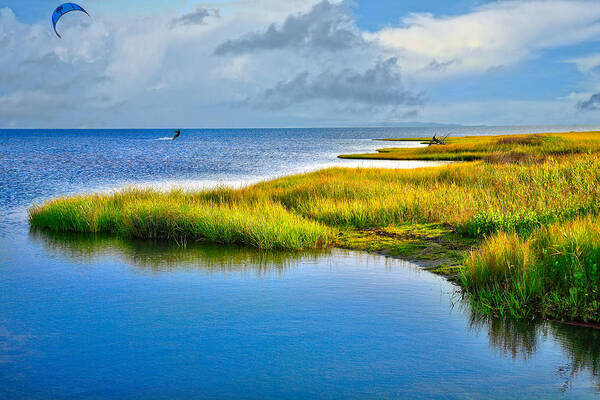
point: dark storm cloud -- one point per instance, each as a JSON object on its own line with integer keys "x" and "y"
{"x": 593, "y": 103}
{"x": 326, "y": 26}
{"x": 196, "y": 17}
{"x": 436, "y": 66}
{"x": 378, "y": 86}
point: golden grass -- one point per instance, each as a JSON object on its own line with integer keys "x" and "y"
{"x": 475, "y": 199}
{"x": 180, "y": 217}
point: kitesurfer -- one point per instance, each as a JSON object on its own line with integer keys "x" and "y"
{"x": 62, "y": 10}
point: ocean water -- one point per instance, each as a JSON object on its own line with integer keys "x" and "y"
{"x": 94, "y": 317}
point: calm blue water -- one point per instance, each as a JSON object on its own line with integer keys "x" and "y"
{"x": 97, "y": 317}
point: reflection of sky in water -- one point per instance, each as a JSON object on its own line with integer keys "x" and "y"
{"x": 114, "y": 317}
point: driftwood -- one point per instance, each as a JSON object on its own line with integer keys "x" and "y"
{"x": 437, "y": 140}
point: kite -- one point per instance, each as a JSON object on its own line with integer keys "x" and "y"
{"x": 62, "y": 10}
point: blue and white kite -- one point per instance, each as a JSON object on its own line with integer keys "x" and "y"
{"x": 62, "y": 10}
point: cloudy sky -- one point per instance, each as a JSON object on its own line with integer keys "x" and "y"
{"x": 281, "y": 63}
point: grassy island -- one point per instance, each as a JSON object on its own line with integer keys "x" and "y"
{"x": 513, "y": 148}
{"x": 517, "y": 226}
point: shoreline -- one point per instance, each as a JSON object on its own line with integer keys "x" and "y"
{"x": 477, "y": 223}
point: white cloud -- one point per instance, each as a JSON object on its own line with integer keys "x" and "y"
{"x": 236, "y": 69}
{"x": 587, "y": 63}
{"x": 147, "y": 71}
{"x": 160, "y": 70}
{"x": 500, "y": 34}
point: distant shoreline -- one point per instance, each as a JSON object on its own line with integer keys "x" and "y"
{"x": 510, "y": 129}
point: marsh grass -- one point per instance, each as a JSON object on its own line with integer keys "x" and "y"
{"x": 475, "y": 199}
{"x": 534, "y": 216}
{"x": 181, "y": 217}
{"x": 553, "y": 272}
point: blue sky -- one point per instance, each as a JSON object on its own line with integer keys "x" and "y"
{"x": 247, "y": 63}
{"x": 371, "y": 14}
{"x": 376, "y": 14}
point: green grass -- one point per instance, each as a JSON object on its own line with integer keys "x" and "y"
{"x": 553, "y": 272}
{"x": 182, "y": 218}
{"x": 474, "y": 199}
{"x": 501, "y": 206}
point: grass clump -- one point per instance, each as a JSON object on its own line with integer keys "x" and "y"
{"x": 181, "y": 218}
{"x": 553, "y": 273}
